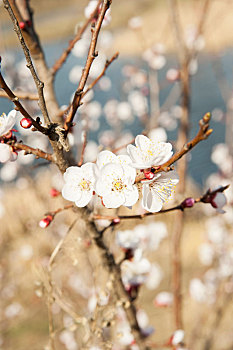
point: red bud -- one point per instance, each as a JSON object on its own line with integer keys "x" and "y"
{"x": 26, "y": 123}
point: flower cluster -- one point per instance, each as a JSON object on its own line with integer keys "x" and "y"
{"x": 113, "y": 178}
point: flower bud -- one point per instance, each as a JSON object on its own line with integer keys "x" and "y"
{"x": 26, "y": 123}
{"x": 188, "y": 203}
{"x": 22, "y": 25}
{"x": 54, "y": 192}
{"x": 149, "y": 175}
{"x": 116, "y": 221}
{"x": 46, "y": 221}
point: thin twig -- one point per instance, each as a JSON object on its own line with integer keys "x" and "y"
{"x": 83, "y": 149}
{"x": 39, "y": 84}
{"x": 21, "y": 94}
{"x": 62, "y": 59}
{"x": 205, "y": 198}
{"x": 15, "y": 100}
{"x": 92, "y": 54}
{"x": 36, "y": 151}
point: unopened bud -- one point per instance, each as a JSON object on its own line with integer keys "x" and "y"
{"x": 116, "y": 221}
{"x": 46, "y": 221}
{"x": 26, "y": 123}
{"x": 149, "y": 175}
{"x": 188, "y": 203}
{"x": 22, "y": 25}
{"x": 54, "y": 192}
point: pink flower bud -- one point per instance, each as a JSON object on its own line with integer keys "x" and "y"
{"x": 26, "y": 123}
{"x": 46, "y": 221}
{"x": 149, "y": 175}
{"x": 172, "y": 75}
{"x": 188, "y": 203}
{"x": 116, "y": 221}
{"x": 54, "y": 192}
{"x": 22, "y": 25}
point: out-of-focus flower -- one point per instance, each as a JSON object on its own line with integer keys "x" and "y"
{"x": 6, "y": 153}
{"x": 198, "y": 290}
{"x": 7, "y": 122}
{"x": 177, "y": 337}
{"x": 163, "y": 299}
{"x": 127, "y": 239}
{"x": 135, "y": 22}
{"x": 172, "y": 74}
{"x": 156, "y": 192}
{"x": 13, "y": 310}
{"x": 90, "y": 8}
{"x": 115, "y": 179}
{"x": 158, "y": 134}
{"x": 79, "y": 184}
{"x": 154, "y": 277}
{"x": 206, "y": 254}
{"x": 135, "y": 271}
{"x": 9, "y": 171}
{"x": 148, "y": 153}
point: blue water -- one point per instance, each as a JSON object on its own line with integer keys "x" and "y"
{"x": 206, "y": 96}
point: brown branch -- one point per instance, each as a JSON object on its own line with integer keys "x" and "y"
{"x": 21, "y": 94}
{"x": 39, "y": 84}
{"x": 205, "y": 198}
{"x": 22, "y": 110}
{"x": 36, "y": 151}
{"x": 62, "y": 59}
{"x": 92, "y": 54}
{"x": 203, "y": 133}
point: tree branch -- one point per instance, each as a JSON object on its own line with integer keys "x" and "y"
{"x": 92, "y": 54}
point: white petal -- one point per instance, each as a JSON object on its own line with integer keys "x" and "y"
{"x": 11, "y": 119}
{"x": 112, "y": 171}
{"x": 86, "y": 196}
{"x": 71, "y": 192}
{"x": 5, "y": 153}
{"x": 72, "y": 173}
{"x": 163, "y": 152}
{"x": 130, "y": 173}
{"x": 123, "y": 159}
{"x": 102, "y": 188}
{"x": 131, "y": 197}
{"x": 88, "y": 170}
{"x": 104, "y": 158}
{"x": 142, "y": 142}
{"x": 113, "y": 199}
{"x": 134, "y": 154}
{"x": 151, "y": 201}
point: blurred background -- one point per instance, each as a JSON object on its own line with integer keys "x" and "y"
{"x": 143, "y": 82}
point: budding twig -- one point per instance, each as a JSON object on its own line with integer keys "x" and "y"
{"x": 36, "y": 151}
{"x": 182, "y": 206}
{"x": 62, "y": 59}
{"x": 15, "y": 100}
{"x": 39, "y": 84}
{"x": 92, "y": 54}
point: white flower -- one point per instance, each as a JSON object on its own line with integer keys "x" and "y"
{"x": 135, "y": 271}
{"x": 7, "y": 122}
{"x": 177, "y": 337}
{"x": 5, "y": 153}
{"x": 148, "y": 153}
{"x": 163, "y": 299}
{"x": 115, "y": 179}
{"x": 157, "y": 191}
{"x": 79, "y": 184}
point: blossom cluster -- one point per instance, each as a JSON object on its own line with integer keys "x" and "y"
{"x": 113, "y": 177}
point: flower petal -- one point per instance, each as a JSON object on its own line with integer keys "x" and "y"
{"x": 151, "y": 201}
{"x": 71, "y": 192}
{"x": 104, "y": 158}
{"x": 114, "y": 200}
{"x": 86, "y": 196}
{"x": 131, "y": 197}
{"x": 5, "y": 153}
{"x": 73, "y": 173}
